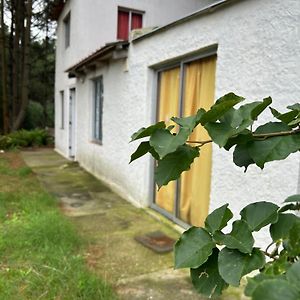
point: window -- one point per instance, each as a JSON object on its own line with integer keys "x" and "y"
{"x": 67, "y": 29}
{"x": 128, "y": 20}
{"x": 97, "y": 109}
{"x": 62, "y": 110}
{"x": 182, "y": 90}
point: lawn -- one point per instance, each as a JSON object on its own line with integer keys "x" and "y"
{"x": 40, "y": 250}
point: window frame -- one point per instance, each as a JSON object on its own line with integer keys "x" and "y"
{"x": 130, "y": 11}
{"x": 181, "y": 62}
{"x": 67, "y": 30}
{"x": 97, "y": 125}
{"x": 62, "y": 109}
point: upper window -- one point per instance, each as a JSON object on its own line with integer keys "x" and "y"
{"x": 127, "y": 21}
{"x": 97, "y": 109}
{"x": 67, "y": 29}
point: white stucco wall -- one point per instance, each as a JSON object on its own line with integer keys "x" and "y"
{"x": 93, "y": 24}
{"x": 258, "y": 55}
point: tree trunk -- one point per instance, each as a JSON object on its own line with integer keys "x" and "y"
{"x": 5, "y": 116}
{"x": 24, "y": 67}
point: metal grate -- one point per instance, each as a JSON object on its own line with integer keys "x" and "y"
{"x": 156, "y": 241}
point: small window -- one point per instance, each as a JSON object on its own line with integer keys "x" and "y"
{"x": 62, "y": 110}
{"x": 97, "y": 109}
{"x": 67, "y": 29}
{"x": 128, "y": 20}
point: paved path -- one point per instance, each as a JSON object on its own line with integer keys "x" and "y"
{"x": 109, "y": 224}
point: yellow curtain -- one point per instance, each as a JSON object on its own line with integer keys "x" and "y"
{"x": 199, "y": 89}
{"x": 168, "y": 106}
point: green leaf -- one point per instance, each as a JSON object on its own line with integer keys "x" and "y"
{"x": 292, "y": 243}
{"x": 260, "y": 108}
{"x": 235, "y": 121}
{"x": 239, "y": 238}
{"x": 293, "y": 198}
{"x": 259, "y": 214}
{"x": 275, "y": 289}
{"x": 295, "y": 122}
{"x": 242, "y": 138}
{"x": 165, "y": 142}
{"x": 293, "y": 274}
{"x": 281, "y": 228}
{"x": 142, "y": 149}
{"x": 218, "y": 219}
{"x": 241, "y": 156}
{"x": 275, "y": 112}
{"x": 295, "y": 106}
{"x": 189, "y": 122}
{"x": 206, "y": 278}
{"x": 274, "y": 148}
{"x": 279, "y": 266}
{"x": 143, "y": 132}
{"x": 186, "y": 122}
{"x": 193, "y": 248}
{"x": 221, "y": 106}
{"x": 233, "y": 264}
{"x": 288, "y": 117}
{"x": 253, "y": 282}
{"x": 173, "y": 164}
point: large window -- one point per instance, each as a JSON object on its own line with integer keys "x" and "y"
{"x": 97, "y": 109}
{"x": 182, "y": 90}
{"x": 62, "y": 109}
{"x": 67, "y": 29}
{"x": 128, "y": 20}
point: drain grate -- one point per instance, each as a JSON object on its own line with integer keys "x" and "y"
{"x": 156, "y": 241}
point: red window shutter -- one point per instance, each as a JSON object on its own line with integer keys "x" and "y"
{"x": 136, "y": 21}
{"x": 123, "y": 25}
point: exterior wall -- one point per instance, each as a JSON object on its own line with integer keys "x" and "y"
{"x": 93, "y": 24}
{"x": 258, "y": 55}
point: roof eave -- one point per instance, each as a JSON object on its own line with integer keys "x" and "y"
{"x": 111, "y": 51}
{"x": 207, "y": 10}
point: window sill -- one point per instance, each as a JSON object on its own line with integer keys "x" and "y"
{"x": 97, "y": 142}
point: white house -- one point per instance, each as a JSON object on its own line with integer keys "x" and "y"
{"x": 107, "y": 87}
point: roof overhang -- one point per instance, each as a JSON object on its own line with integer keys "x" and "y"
{"x": 111, "y": 51}
{"x": 203, "y": 11}
{"x": 56, "y": 9}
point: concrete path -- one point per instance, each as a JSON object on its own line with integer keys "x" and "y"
{"x": 109, "y": 224}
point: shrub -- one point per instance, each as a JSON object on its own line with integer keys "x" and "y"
{"x": 25, "y": 138}
{"x": 34, "y": 116}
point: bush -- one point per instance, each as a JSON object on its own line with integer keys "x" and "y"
{"x": 34, "y": 116}
{"x": 25, "y": 138}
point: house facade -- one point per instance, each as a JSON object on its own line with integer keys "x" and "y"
{"x": 108, "y": 87}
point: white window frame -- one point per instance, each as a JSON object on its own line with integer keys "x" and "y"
{"x": 130, "y": 12}
{"x": 97, "y": 107}
{"x": 62, "y": 109}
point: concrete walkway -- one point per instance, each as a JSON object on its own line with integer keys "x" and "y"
{"x": 109, "y": 224}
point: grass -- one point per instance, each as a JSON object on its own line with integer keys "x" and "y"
{"x": 40, "y": 250}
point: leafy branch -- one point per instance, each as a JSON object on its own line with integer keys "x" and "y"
{"x": 262, "y": 136}
{"x": 217, "y": 259}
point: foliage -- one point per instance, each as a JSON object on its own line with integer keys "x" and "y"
{"x": 34, "y": 117}
{"x": 217, "y": 259}
{"x": 41, "y": 253}
{"x": 25, "y": 138}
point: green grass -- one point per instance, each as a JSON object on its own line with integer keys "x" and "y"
{"x": 40, "y": 250}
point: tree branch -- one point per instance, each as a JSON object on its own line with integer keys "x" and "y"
{"x": 263, "y": 136}
{"x": 256, "y": 136}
